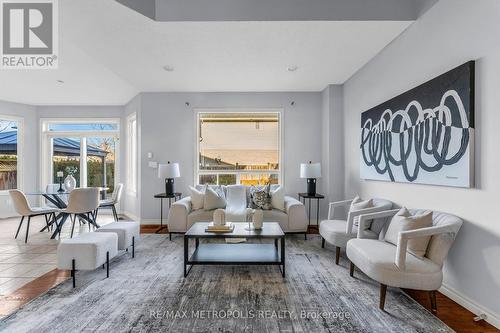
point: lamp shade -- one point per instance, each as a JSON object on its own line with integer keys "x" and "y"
{"x": 170, "y": 170}
{"x": 310, "y": 170}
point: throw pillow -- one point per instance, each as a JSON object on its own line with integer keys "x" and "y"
{"x": 403, "y": 221}
{"x": 261, "y": 199}
{"x": 358, "y": 204}
{"x": 278, "y": 198}
{"x": 197, "y": 198}
{"x": 214, "y": 198}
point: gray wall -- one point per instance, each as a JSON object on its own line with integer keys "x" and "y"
{"x": 332, "y": 145}
{"x": 170, "y": 126}
{"x": 449, "y": 34}
{"x": 31, "y": 148}
{"x": 76, "y": 111}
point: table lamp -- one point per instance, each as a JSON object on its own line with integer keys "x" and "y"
{"x": 311, "y": 171}
{"x": 168, "y": 172}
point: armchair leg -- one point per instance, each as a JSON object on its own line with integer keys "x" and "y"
{"x": 432, "y": 296}
{"x": 351, "y": 270}
{"x": 337, "y": 255}
{"x": 383, "y": 291}
{"x": 322, "y": 243}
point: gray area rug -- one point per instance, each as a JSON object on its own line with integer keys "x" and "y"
{"x": 149, "y": 294}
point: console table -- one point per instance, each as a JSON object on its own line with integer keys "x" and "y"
{"x": 176, "y": 196}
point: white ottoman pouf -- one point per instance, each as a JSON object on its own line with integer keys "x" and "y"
{"x": 128, "y": 233}
{"x": 87, "y": 252}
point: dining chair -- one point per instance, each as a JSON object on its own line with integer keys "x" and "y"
{"x": 115, "y": 199}
{"x": 24, "y": 209}
{"x": 82, "y": 203}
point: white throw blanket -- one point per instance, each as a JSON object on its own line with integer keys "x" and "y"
{"x": 236, "y": 203}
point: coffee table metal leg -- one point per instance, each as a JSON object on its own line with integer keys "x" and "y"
{"x": 283, "y": 255}
{"x": 186, "y": 243}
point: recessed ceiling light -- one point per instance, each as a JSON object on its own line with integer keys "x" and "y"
{"x": 168, "y": 68}
{"x": 60, "y": 81}
{"x": 292, "y": 68}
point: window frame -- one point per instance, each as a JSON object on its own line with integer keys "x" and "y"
{"x": 280, "y": 172}
{"x": 20, "y": 150}
{"x": 46, "y": 144}
{"x": 132, "y": 163}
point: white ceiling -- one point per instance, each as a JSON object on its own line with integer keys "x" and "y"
{"x": 109, "y": 53}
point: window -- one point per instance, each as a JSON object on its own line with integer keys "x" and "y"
{"x": 238, "y": 148}
{"x": 85, "y": 149}
{"x": 132, "y": 154}
{"x": 10, "y": 152}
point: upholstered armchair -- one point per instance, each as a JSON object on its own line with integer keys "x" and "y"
{"x": 338, "y": 232}
{"x": 392, "y": 265}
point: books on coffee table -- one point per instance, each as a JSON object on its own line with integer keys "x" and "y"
{"x": 228, "y": 227}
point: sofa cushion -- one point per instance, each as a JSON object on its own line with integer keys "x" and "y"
{"x": 278, "y": 198}
{"x": 197, "y": 198}
{"x": 334, "y": 232}
{"x": 376, "y": 259}
{"x": 200, "y": 215}
{"x": 214, "y": 198}
{"x": 261, "y": 198}
{"x": 275, "y": 215}
{"x": 236, "y": 205}
{"x": 404, "y": 221}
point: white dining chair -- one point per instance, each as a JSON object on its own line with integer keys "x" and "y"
{"x": 115, "y": 199}
{"x": 82, "y": 203}
{"x": 24, "y": 209}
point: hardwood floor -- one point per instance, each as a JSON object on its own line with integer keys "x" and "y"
{"x": 451, "y": 313}
{"x": 31, "y": 290}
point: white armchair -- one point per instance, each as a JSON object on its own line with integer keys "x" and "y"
{"x": 338, "y": 232}
{"x": 393, "y": 266}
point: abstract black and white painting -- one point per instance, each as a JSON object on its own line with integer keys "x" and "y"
{"x": 425, "y": 135}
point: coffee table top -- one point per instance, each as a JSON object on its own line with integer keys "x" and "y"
{"x": 269, "y": 230}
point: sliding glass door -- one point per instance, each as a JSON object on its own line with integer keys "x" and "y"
{"x": 66, "y": 158}
{"x": 85, "y": 149}
{"x": 101, "y": 154}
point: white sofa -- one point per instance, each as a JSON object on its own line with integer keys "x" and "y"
{"x": 292, "y": 220}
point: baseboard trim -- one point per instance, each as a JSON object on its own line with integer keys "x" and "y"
{"x": 130, "y": 215}
{"x": 470, "y": 305}
{"x": 153, "y": 221}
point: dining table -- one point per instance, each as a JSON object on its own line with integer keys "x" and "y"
{"x": 57, "y": 198}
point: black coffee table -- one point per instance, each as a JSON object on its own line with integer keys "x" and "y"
{"x": 235, "y": 254}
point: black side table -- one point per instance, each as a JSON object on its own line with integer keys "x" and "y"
{"x": 176, "y": 196}
{"x": 318, "y": 197}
